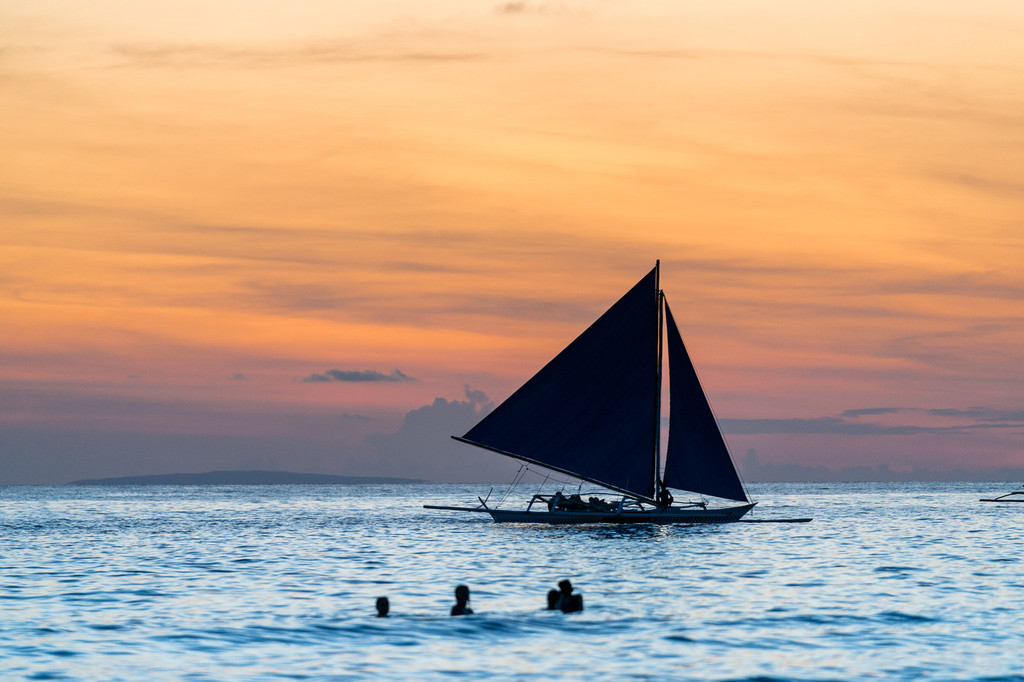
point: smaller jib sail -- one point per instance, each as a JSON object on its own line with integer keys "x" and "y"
{"x": 590, "y": 411}
{"x": 697, "y": 458}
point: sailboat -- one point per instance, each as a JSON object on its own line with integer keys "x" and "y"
{"x": 594, "y": 413}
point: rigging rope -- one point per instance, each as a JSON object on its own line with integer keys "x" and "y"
{"x": 515, "y": 481}
{"x": 524, "y": 468}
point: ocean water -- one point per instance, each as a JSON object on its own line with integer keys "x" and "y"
{"x": 889, "y": 581}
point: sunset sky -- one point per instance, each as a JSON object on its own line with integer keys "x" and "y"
{"x": 322, "y": 236}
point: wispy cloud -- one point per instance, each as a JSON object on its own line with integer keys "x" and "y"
{"x": 522, "y": 7}
{"x": 836, "y": 425}
{"x": 981, "y": 414}
{"x": 518, "y": 7}
{"x": 175, "y": 55}
{"x": 991, "y": 186}
{"x": 851, "y": 423}
{"x": 755, "y": 55}
{"x": 755, "y": 470}
{"x": 359, "y": 376}
{"x": 870, "y": 411}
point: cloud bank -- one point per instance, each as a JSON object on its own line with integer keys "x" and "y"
{"x": 423, "y": 448}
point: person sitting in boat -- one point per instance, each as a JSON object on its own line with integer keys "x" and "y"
{"x": 383, "y": 606}
{"x": 600, "y": 505}
{"x": 571, "y": 503}
{"x": 461, "y": 607}
{"x": 574, "y": 502}
{"x": 665, "y": 498}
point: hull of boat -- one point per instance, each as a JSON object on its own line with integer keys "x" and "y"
{"x": 660, "y": 516}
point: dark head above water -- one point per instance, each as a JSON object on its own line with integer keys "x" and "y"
{"x": 461, "y": 601}
{"x": 383, "y": 606}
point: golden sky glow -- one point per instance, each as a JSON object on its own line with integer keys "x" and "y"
{"x": 203, "y": 204}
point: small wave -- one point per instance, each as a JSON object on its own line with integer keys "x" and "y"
{"x": 809, "y": 583}
{"x": 897, "y": 569}
{"x": 901, "y": 617}
{"x": 755, "y": 574}
{"x": 817, "y": 619}
{"x": 63, "y": 653}
{"x": 487, "y": 627}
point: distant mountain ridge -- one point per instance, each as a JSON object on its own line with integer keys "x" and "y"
{"x": 255, "y": 477}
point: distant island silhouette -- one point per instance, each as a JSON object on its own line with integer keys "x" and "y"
{"x": 245, "y": 478}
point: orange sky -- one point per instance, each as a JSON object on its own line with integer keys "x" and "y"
{"x": 202, "y": 206}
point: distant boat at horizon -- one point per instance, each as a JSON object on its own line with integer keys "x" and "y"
{"x": 594, "y": 413}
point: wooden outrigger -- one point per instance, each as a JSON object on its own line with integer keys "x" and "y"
{"x": 1015, "y": 496}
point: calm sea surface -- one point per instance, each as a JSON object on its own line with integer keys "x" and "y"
{"x": 890, "y": 581}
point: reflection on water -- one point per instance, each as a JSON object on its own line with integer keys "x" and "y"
{"x": 262, "y": 582}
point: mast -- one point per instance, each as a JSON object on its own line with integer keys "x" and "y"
{"x": 658, "y": 296}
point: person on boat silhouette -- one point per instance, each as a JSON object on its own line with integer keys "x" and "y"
{"x": 461, "y": 602}
{"x": 566, "y": 601}
{"x": 383, "y": 606}
{"x": 665, "y": 498}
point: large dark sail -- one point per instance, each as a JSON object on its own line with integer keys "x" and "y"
{"x": 590, "y": 411}
{"x": 697, "y": 459}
